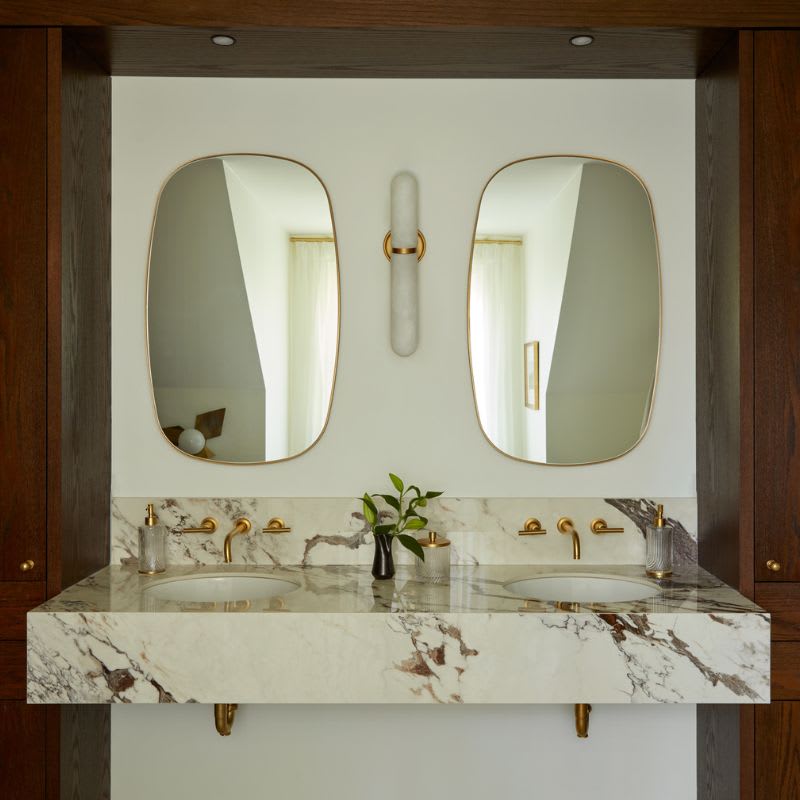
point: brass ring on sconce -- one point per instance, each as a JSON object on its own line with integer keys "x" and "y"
{"x": 420, "y": 249}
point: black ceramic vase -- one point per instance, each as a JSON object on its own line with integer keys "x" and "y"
{"x": 383, "y": 563}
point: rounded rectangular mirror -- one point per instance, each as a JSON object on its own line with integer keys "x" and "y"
{"x": 564, "y": 310}
{"x": 243, "y": 308}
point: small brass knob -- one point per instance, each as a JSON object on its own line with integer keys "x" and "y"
{"x": 27, "y": 565}
{"x": 773, "y": 565}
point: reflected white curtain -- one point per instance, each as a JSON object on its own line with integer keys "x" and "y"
{"x": 496, "y": 305}
{"x": 313, "y": 330}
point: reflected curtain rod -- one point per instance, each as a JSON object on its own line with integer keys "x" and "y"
{"x": 499, "y": 241}
{"x": 311, "y": 238}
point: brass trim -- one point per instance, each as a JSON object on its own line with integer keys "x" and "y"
{"x": 422, "y": 246}
{"x": 517, "y": 242}
{"x": 599, "y": 526}
{"x": 773, "y": 565}
{"x": 646, "y": 426}
{"x": 27, "y": 565}
{"x": 208, "y": 525}
{"x": 582, "y": 711}
{"x": 338, "y": 310}
{"x": 532, "y": 527}
{"x": 276, "y": 525}
{"x": 565, "y": 525}
{"x": 658, "y": 573}
{"x": 224, "y": 717}
{"x": 312, "y": 239}
{"x": 243, "y": 525}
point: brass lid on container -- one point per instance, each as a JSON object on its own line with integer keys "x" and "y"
{"x": 659, "y": 520}
{"x": 434, "y": 540}
{"x": 151, "y": 519}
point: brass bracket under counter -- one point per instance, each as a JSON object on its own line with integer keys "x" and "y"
{"x": 532, "y": 527}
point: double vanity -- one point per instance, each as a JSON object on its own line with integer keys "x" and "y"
{"x": 330, "y": 634}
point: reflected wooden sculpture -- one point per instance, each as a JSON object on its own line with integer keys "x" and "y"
{"x": 209, "y": 424}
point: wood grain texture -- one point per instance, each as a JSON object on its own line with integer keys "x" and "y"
{"x": 778, "y": 751}
{"x": 782, "y": 600}
{"x": 23, "y": 411}
{"x": 13, "y": 671}
{"x": 777, "y": 303}
{"x": 22, "y": 741}
{"x": 786, "y": 670}
{"x": 79, "y": 327}
{"x": 85, "y": 346}
{"x": 409, "y": 14}
{"x": 319, "y": 52}
{"x": 16, "y": 599}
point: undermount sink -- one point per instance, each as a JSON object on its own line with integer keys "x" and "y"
{"x": 584, "y": 588}
{"x": 211, "y": 588}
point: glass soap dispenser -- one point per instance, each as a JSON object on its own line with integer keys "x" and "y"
{"x": 436, "y": 566}
{"x": 658, "y": 547}
{"x": 152, "y": 544}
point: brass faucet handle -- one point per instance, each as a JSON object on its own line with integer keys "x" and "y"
{"x": 208, "y": 525}
{"x": 565, "y": 525}
{"x": 276, "y": 525}
{"x": 599, "y": 526}
{"x": 532, "y": 527}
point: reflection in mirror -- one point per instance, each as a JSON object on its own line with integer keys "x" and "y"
{"x": 564, "y": 310}
{"x": 243, "y": 308}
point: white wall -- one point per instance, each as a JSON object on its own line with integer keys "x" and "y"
{"x": 385, "y": 406}
{"x": 414, "y": 415}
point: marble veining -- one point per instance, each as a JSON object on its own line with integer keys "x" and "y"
{"x": 342, "y": 637}
{"x": 333, "y": 530}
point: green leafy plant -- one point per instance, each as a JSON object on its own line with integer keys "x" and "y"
{"x": 405, "y": 508}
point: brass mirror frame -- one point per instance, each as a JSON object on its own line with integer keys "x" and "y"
{"x": 660, "y": 309}
{"x": 147, "y": 310}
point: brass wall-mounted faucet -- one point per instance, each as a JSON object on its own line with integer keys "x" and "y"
{"x": 243, "y": 525}
{"x": 565, "y": 526}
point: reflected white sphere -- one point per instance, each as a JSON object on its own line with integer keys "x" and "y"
{"x": 191, "y": 441}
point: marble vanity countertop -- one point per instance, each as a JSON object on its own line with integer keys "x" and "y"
{"x": 342, "y": 637}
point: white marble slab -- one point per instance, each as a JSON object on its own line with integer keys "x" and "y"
{"x": 341, "y": 637}
{"x": 333, "y": 531}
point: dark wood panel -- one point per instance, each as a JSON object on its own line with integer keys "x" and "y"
{"x": 777, "y": 303}
{"x": 22, "y": 745}
{"x": 79, "y": 369}
{"x": 12, "y": 671}
{"x": 85, "y": 755}
{"x": 16, "y": 599}
{"x": 786, "y": 670}
{"x": 81, "y": 518}
{"x": 723, "y": 112}
{"x": 406, "y": 53}
{"x": 782, "y": 600}
{"x": 23, "y": 412}
{"x": 409, "y": 14}
{"x": 778, "y": 751}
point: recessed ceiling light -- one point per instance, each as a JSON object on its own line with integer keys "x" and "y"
{"x": 223, "y": 40}
{"x": 581, "y": 41}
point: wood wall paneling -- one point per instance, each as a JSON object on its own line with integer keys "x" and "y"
{"x": 785, "y": 671}
{"x": 782, "y": 600}
{"x": 22, "y": 737}
{"x": 778, "y": 751}
{"x": 462, "y": 53}
{"x": 22, "y": 311}
{"x": 777, "y": 303}
{"x": 409, "y": 14}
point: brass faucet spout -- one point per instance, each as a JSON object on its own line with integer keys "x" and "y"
{"x": 565, "y": 526}
{"x": 243, "y": 525}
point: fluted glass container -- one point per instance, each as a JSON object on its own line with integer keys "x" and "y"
{"x": 658, "y": 547}
{"x": 436, "y": 566}
{"x": 152, "y": 544}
